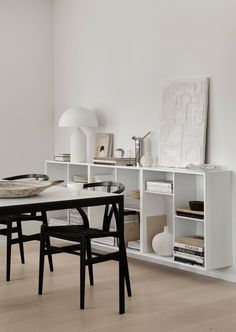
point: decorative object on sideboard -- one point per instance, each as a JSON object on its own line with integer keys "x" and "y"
{"x": 203, "y": 167}
{"x": 83, "y": 122}
{"x": 162, "y": 243}
{"x": 154, "y": 225}
{"x": 104, "y": 145}
{"x": 196, "y": 205}
{"x": 119, "y": 153}
{"x": 139, "y": 148}
{"x": 147, "y": 160}
{"x": 183, "y": 124}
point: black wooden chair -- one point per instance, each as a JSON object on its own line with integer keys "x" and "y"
{"x": 83, "y": 234}
{"x": 13, "y": 225}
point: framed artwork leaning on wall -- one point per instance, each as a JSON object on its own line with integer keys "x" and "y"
{"x": 104, "y": 145}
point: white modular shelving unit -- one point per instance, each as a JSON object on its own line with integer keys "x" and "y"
{"x": 212, "y": 186}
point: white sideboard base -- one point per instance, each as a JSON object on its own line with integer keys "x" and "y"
{"x": 211, "y": 186}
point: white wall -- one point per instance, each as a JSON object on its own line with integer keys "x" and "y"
{"x": 26, "y": 85}
{"x": 113, "y": 55}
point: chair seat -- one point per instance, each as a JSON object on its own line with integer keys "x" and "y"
{"x": 75, "y": 232}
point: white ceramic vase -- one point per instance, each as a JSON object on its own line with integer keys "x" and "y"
{"x": 146, "y": 159}
{"x": 162, "y": 243}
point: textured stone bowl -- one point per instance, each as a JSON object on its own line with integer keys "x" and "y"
{"x": 17, "y": 189}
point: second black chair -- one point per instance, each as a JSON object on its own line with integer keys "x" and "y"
{"x": 9, "y": 220}
{"x": 82, "y": 235}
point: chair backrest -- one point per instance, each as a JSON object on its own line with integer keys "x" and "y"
{"x": 110, "y": 187}
{"x": 41, "y": 177}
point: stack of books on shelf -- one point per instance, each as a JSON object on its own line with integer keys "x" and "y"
{"x": 189, "y": 213}
{"x": 75, "y": 217}
{"x": 162, "y": 186}
{"x": 115, "y": 161}
{"x": 131, "y": 202}
{"x": 79, "y": 178}
{"x": 189, "y": 250}
{"x": 62, "y": 157}
{"x": 134, "y": 245}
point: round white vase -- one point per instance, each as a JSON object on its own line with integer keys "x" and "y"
{"x": 162, "y": 243}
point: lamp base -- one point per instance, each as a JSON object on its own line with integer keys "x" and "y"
{"x": 90, "y": 134}
{"x": 77, "y": 146}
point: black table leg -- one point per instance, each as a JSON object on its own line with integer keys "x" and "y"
{"x": 9, "y": 235}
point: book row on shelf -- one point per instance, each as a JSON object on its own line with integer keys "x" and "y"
{"x": 110, "y": 161}
{"x": 190, "y": 250}
{"x": 165, "y": 187}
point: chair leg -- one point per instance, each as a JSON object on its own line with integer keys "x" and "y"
{"x": 21, "y": 244}
{"x": 47, "y": 241}
{"x": 41, "y": 261}
{"x": 82, "y": 271}
{"x": 126, "y": 271}
{"x": 8, "y": 263}
{"x": 121, "y": 279}
{"x": 90, "y": 265}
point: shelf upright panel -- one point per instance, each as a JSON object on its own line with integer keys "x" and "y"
{"x": 98, "y": 173}
{"x": 142, "y": 227}
{"x": 57, "y": 170}
{"x": 218, "y": 209}
{"x": 130, "y": 177}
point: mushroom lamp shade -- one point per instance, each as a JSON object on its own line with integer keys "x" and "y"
{"x": 83, "y": 122}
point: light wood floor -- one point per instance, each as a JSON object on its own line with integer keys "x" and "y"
{"x": 163, "y": 299}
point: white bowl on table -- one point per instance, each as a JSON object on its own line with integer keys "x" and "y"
{"x": 75, "y": 187}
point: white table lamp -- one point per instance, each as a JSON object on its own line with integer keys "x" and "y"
{"x": 76, "y": 118}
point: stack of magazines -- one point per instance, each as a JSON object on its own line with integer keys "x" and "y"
{"x": 62, "y": 157}
{"x": 79, "y": 178}
{"x": 131, "y": 202}
{"x": 162, "y": 186}
{"x": 75, "y": 217}
{"x": 115, "y": 161}
{"x": 190, "y": 250}
{"x": 135, "y": 245}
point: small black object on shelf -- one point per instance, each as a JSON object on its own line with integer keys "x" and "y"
{"x": 196, "y": 205}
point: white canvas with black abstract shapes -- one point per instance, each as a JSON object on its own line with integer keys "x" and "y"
{"x": 184, "y": 120}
